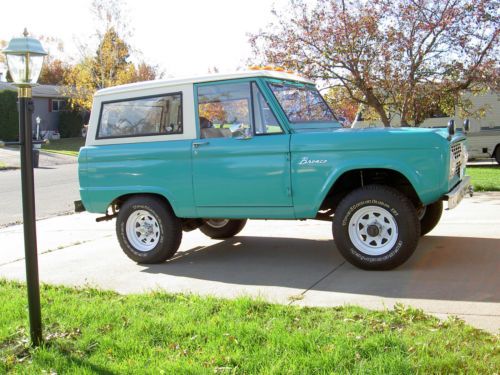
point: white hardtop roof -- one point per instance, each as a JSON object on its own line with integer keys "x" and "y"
{"x": 197, "y": 79}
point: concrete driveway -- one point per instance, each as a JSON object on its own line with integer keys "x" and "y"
{"x": 455, "y": 269}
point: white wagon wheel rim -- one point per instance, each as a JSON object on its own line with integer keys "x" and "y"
{"x": 373, "y": 230}
{"x": 217, "y": 223}
{"x": 143, "y": 230}
{"x": 421, "y": 212}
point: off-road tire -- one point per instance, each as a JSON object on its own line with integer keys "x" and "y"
{"x": 170, "y": 229}
{"x": 232, "y": 228}
{"x": 431, "y": 217}
{"x": 402, "y": 215}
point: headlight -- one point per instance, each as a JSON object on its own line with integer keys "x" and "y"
{"x": 465, "y": 154}
{"x": 452, "y": 166}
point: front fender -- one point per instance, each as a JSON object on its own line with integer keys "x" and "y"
{"x": 313, "y": 183}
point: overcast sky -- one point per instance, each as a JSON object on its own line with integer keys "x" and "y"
{"x": 183, "y": 37}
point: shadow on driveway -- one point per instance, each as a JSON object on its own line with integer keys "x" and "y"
{"x": 442, "y": 268}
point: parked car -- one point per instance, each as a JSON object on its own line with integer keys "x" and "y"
{"x": 168, "y": 156}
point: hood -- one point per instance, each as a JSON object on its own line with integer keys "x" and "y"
{"x": 365, "y": 139}
{"x": 335, "y": 127}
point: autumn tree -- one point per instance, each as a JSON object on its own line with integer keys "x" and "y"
{"x": 403, "y": 56}
{"x": 110, "y": 64}
{"x": 146, "y": 72}
{"x": 342, "y": 104}
{"x": 53, "y": 71}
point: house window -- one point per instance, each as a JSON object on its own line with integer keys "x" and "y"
{"x": 58, "y": 105}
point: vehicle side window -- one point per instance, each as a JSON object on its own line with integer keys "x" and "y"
{"x": 156, "y": 115}
{"x": 265, "y": 121}
{"x": 225, "y": 110}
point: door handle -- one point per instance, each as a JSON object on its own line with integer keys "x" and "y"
{"x": 198, "y": 144}
{"x": 244, "y": 138}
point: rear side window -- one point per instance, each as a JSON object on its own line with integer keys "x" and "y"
{"x": 153, "y": 115}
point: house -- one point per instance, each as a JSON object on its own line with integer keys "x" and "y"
{"x": 48, "y": 101}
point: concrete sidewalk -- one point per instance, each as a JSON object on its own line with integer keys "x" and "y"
{"x": 453, "y": 271}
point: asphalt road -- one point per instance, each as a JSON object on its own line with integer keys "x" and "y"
{"x": 56, "y": 187}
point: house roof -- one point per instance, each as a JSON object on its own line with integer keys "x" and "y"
{"x": 39, "y": 91}
{"x": 198, "y": 79}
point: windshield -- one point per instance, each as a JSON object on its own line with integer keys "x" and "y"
{"x": 302, "y": 103}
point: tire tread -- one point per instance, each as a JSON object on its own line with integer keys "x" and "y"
{"x": 172, "y": 229}
{"x": 232, "y": 228}
{"x": 376, "y": 191}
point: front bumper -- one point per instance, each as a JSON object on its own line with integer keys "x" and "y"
{"x": 455, "y": 196}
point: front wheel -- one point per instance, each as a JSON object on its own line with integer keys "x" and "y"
{"x": 222, "y": 228}
{"x": 497, "y": 154}
{"x": 148, "y": 230}
{"x": 376, "y": 228}
{"x": 429, "y": 216}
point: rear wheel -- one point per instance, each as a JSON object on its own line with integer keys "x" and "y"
{"x": 222, "y": 228}
{"x": 148, "y": 230}
{"x": 376, "y": 228}
{"x": 429, "y": 216}
{"x": 497, "y": 154}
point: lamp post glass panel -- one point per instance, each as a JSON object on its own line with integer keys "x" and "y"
{"x": 24, "y": 60}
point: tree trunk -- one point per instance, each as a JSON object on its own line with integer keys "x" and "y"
{"x": 404, "y": 120}
{"x": 384, "y": 118}
{"x": 379, "y": 108}
{"x": 373, "y": 102}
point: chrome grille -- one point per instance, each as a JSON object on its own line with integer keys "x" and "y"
{"x": 456, "y": 150}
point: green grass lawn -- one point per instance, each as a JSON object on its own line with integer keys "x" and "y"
{"x": 91, "y": 331}
{"x": 5, "y": 167}
{"x": 66, "y": 146}
{"x": 485, "y": 178}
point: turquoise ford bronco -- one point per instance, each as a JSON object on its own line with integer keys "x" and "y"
{"x": 168, "y": 156}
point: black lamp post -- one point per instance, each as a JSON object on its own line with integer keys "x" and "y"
{"x": 25, "y": 60}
